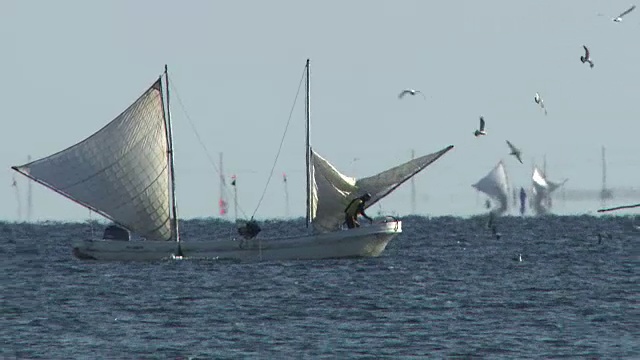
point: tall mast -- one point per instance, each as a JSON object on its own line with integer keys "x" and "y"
{"x": 308, "y": 145}
{"x": 235, "y": 197}
{"x": 604, "y": 193}
{"x": 174, "y": 208}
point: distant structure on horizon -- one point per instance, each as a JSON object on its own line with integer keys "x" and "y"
{"x": 18, "y": 195}
{"x": 223, "y": 205}
{"x": 605, "y": 193}
{"x": 29, "y": 196}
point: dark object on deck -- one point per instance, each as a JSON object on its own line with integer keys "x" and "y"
{"x": 115, "y": 232}
{"x": 250, "y": 229}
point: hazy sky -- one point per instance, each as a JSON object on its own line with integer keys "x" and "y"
{"x": 69, "y": 67}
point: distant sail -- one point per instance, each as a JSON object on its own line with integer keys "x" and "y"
{"x": 541, "y": 191}
{"x": 496, "y": 185}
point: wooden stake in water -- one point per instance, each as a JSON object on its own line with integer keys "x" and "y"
{"x": 29, "y": 201}
{"x": 286, "y": 195}
{"x": 14, "y": 185}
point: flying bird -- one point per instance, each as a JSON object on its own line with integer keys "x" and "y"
{"x": 619, "y": 17}
{"x": 515, "y": 151}
{"x": 410, "y": 92}
{"x": 538, "y": 99}
{"x": 480, "y": 131}
{"x": 586, "y": 57}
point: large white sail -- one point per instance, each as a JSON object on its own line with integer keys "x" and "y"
{"x": 332, "y": 191}
{"x": 121, "y": 171}
{"x": 496, "y": 185}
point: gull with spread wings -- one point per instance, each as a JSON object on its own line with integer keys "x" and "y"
{"x": 410, "y": 92}
{"x": 515, "y": 151}
{"x": 586, "y": 57}
{"x": 480, "y": 131}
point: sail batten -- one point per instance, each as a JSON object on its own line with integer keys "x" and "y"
{"x": 121, "y": 171}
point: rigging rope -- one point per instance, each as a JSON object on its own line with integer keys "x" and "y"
{"x": 193, "y": 127}
{"x": 280, "y": 147}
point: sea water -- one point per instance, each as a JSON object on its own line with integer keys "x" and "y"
{"x": 445, "y": 288}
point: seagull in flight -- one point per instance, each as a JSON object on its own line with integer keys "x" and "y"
{"x": 538, "y": 99}
{"x": 410, "y": 92}
{"x": 619, "y": 17}
{"x": 480, "y": 131}
{"x": 586, "y": 57}
{"x": 515, "y": 151}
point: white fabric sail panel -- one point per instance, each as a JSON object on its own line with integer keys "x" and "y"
{"x": 313, "y": 190}
{"x": 335, "y": 190}
{"x": 496, "y": 185}
{"x": 542, "y": 184}
{"x": 382, "y": 184}
{"x": 121, "y": 171}
{"x": 538, "y": 179}
{"x": 554, "y": 185}
{"x": 331, "y": 189}
{"x": 541, "y": 190}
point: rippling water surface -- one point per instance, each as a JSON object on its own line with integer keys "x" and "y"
{"x": 444, "y": 288}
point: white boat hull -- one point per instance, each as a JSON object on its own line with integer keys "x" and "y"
{"x": 368, "y": 241}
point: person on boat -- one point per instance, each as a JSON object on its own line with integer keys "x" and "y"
{"x": 250, "y": 229}
{"x": 355, "y": 207}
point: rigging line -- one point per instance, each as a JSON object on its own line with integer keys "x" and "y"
{"x": 193, "y": 127}
{"x": 281, "y": 143}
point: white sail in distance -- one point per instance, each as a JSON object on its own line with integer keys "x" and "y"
{"x": 496, "y": 185}
{"x": 541, "y": 190}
